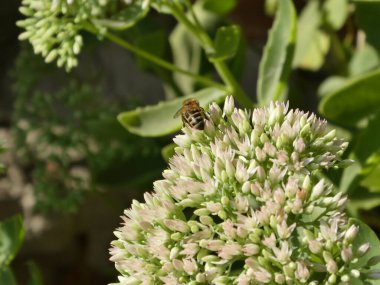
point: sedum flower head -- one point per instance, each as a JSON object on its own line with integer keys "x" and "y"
{"x": 243, "y": 202}
{"x": 53, "y": 26}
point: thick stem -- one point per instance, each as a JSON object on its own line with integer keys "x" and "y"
{"x": 208, "y": 45}
{"x": 154, "y": 59}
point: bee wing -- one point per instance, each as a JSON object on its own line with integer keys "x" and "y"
{"x": 177, "y": 113}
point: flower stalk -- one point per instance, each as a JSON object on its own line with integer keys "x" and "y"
{"x": 205, "y": 41}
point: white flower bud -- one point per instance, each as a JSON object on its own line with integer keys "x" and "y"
{"x": 229, "y": 106}
{"x": 351, "y": 233}
{"x": 363, "y": 249}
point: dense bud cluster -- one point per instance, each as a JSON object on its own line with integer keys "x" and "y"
{"x": 53, "y": 26}
{"x": 243, "y": 202}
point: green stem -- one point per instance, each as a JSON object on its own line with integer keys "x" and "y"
{"x": 160, "y": 62}
{"x": 208, "y": 45}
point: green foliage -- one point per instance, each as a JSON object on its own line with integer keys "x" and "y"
{"x": 226, "y": 43}
{"x": 367, "y": 16}
{"x": 368, "y": 260}
{"x": 335, "y": 41}
{"x": 70, "y": 140}
{"x": 11, "y": 238}
{"x": 157, "y": 120}
{"x": 220, "y": 7}
{"x": 168, "y": 151}
{"x": 336, "y": 12}
{"x": 35, "y": 274}
{"x": 312, "y": 43}
{"x": 363, "y": 60}
{"x": 358, "y": 98}
{"x": 187, "y": 51}
{"x": 6, "y": 276}
{"x": 126, "y": 17}
{"x": 278, "y": 54}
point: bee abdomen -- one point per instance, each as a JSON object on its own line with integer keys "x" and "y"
{"x": 195, "y": 119}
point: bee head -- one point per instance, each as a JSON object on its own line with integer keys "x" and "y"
{"x": 191, "y": 102}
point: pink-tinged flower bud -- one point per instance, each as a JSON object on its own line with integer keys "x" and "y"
{"x": 346, "y": 254}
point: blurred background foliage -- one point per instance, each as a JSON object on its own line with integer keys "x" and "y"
{"x": 66, "y": 136}
{"x": 68, "y": 145}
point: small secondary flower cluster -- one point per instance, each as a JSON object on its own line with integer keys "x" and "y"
{"x": 243, "y": 202}
{"x": 53, "y": 26}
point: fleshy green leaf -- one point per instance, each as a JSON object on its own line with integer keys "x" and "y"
{"x": 336, "y": 12}
{"x": 364, "y": 200}
{"x": 357, "y": 99}
{"x": 11, "y": 238}
{"x": 315, "y": 56}
{"x": 220, "y": 7}
{"x": 226, "y": 43}
{"x": 365, "y": 235}
{"x": 350, "y": 178}
{"x": 312, "y": 44}
{"x": 363, "y": 60}
{"x": 308, "y": 23}
{"x": 128, "y": 17}
{"x": 6, "y": 276}
{"x": 157, "y": 120}
{"x": 372, "y": 179}
{"x": 368, "y": 141}
{"x": 367, "y": 15}
{"x": 331, "y": 84}
{"x": 278, "y": 54}
{"x": 187, "y": 52}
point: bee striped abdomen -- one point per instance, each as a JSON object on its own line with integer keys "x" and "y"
{"x": 194, "y": 118}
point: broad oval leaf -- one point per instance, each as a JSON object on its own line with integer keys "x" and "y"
{"x": 312, "y": 43}
{"x": 368, "y": 142}
{"x": 331, "y": 84}
{"x": 365, "y": 235}
{"x": 11, "y": 238}
{"x": 364, "y": 60}
{"x": 365, "y": 200}
{"x": 226, "y": 43}
{"x": 278, "y": 54}
{"x": 336, "y": 12}
{"x": 372, "y": 179}
{"x": 157, "y": 120}
{"x": 127, "y": 17}
{"x": 357, "y": 99}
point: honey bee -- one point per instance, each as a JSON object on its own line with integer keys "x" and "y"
{"x": 192, "y": 114}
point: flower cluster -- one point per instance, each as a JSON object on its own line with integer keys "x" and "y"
{"x": 53, "y": 26}
{"x": 243, "y": 202}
